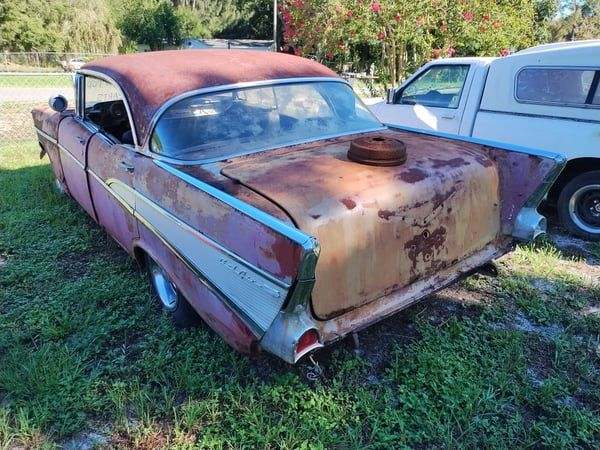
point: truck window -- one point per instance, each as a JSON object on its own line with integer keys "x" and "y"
{"x": 554, "y": 86}
{"x": 104, "y": 107}
{"x": 439, "y": 86}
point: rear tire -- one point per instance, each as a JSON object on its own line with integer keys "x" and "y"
{"x": 579, "y": 206}
{"x": 170, "y": 299}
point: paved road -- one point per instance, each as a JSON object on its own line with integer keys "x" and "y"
{"x": 33, "y": 94}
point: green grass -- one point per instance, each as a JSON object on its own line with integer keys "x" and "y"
{"x": 84, "y": 349}
{"x": 36, "y": 81}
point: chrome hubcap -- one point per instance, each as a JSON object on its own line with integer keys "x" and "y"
{"x": 59, "y": 186}
{"x": 164, "y": 287}
{"x": 584, "y": 208}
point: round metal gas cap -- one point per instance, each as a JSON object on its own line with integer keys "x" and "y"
{"x": 377, "y": 151}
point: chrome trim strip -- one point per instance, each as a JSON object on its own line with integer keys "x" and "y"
{"x": 197, "y": 162}
{"x": 65, "y": 150}
{"x": 557, "y": 157}
{"x": 227, "y": 87}
{"x": 106, "y": 185}
{"x": 113, "y": 181}
{"x": 45, "y": 135}
{"x": 539, "y": 116}
{"x": 108, "y": 79}
{"x": 275, "y": 224}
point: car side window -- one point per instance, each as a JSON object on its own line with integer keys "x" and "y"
{"x": 439, "y": 86}
{"x": 554, "y": 85}
{"x": 105, "y": 108}
{"x": 596, "y": 99}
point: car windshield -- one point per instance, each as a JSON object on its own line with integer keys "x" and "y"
{"x": 222, "y": 124}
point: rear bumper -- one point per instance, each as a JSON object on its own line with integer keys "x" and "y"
{"x": 282, "y": 337}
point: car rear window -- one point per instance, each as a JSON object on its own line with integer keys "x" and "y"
{"x": 564, "y": 86}
{"x": 223, "y": 124}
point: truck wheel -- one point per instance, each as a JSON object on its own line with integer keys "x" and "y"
{"x": 181, "y": 312}
{"x": 579, "y": 205}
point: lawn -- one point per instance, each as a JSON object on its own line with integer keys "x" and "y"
{"x": 36, "y": 81}
{"x": 86, "y": 358}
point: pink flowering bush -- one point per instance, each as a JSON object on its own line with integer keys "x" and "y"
{"x": 397, "y": 36}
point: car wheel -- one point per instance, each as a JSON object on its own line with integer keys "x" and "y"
{"x": 579, "y": 205}
{"x": 171, "y": 300}
{"x": 60, "y": 187}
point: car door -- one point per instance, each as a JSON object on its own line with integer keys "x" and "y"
{"x": 110, "y": 159}
{"x": 433, "y": 100}
{"x": 73, "y": 139}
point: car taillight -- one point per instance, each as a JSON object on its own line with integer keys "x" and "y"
{"x": 307, "y": 341}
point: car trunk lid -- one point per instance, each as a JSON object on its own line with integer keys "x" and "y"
{"x": 380, "y": 228}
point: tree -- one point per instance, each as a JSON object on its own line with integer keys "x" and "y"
{"x": 579, "y": 19}
{"x": 399, "y": 35}
{"x": 157, "y": 23}
{"x": 61, "y": 25}
{"x": 95, "y": 33}
{"x": 255, "y": 22}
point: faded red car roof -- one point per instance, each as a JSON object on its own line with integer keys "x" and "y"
{"x": 150, "y": 79}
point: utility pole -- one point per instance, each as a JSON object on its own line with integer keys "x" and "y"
{"x": 275, "y": 24}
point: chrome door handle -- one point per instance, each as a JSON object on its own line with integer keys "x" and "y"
{"x": 448, "y": 116}
{"x": 126, "y": 167}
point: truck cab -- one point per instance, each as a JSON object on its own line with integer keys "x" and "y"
{"x": 545, "y": 97}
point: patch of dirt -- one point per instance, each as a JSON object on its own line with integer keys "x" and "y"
{"x": 539, "y": 358}
{"x": 460, "y": 296}
{"x": 86, "y": 441}
{"x": 522, "y": 323}
{"x": 74, "y": 265}
{"x": 109, "y": 249}
{"x": 573, "y": 246}
{"x": 543, "y": 285}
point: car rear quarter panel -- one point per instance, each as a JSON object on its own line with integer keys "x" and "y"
{"x": 212, "y": 309}
{"x": 243, "y": 263}
{"x": 239, "y": 233}
{"x": 47, "y": 121}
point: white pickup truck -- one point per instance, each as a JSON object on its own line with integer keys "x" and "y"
{"x": 546, "y": 97}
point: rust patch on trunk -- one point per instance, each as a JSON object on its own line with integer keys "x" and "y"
{"x": 385, "y": 214}
{"x": 453, "y": 163}
{"x": 412, "y": 175}
{"x": 425, "y": 244}
{"x": 348, "y": 203}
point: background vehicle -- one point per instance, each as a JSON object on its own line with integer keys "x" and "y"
{"x": 270, "y": 201}
{"x": 546, "y": 97}
{"x": 72, "y": 64}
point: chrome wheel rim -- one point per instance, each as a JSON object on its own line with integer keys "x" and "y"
{"x": 584, "y": 208}
{"x": 59, "y": 186}
{"x": 163, "y": 286}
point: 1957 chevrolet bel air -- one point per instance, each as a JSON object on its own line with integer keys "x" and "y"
{"x": 262, "y": 195}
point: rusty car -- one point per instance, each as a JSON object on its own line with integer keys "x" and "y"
{"x": 263, "y": 197}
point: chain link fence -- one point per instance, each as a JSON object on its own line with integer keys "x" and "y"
{"x": 28, "y": 80}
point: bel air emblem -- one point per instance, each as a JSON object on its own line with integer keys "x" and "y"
{"x": 245, "y": 275}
